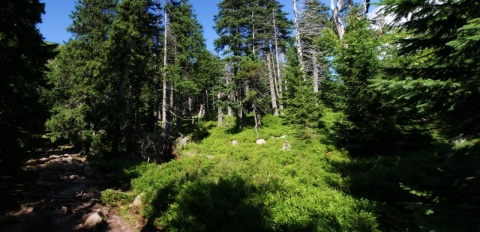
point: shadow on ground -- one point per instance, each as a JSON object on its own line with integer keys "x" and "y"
{"x": 55, "y": 191}
{"x": 434, "y": 189}
{"x": 225, "y": 205}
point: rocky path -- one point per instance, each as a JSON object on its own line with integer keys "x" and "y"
{"x": 57, "y": 192}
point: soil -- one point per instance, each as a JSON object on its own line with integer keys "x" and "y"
{"x": 56, "y": 192}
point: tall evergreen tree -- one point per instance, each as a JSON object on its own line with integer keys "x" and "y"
{"x": 245, "y": 32}
{"x": 188, "y": 48}
{"x": 130, "y": 52}
{"x": 313, "y": 20}
{"x": 439, "y": 78}
{"x": 370, "y": 126}
{"x": 80, "y": 76}
{"x": 23, "y": 56}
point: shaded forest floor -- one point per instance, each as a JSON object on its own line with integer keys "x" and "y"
{"x": 225, "y": 181}
{"x": 56, "y": 191}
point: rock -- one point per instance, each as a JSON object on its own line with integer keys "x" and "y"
{"x": 210, "y": 156}
{"x": 286, "y": 146}
{"x": 88, "y": 171}
{"x": 138, "y": 200}
{"x": 182, "y": 141}
{"x": 94, "y": 220}
{"x": 283, "y": 136}
{"x": 234, "y": 142}
{"x": 260, "y": 141}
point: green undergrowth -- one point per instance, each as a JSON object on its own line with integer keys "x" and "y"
{"x": 215, "y": 185}
{"x": 218, "y": 186}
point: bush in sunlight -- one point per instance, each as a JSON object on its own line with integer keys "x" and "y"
{"x": 215, "y": 186}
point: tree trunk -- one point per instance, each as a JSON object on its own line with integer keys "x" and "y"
{"x": 201, "y": 111}
{"x": 336, "y": 17}
{"x": 257, "y": 120}
{"x": 272, "y": 85}
{"x": 298, "y": 40}
{"x": 164, "y": 93}
{"x": 277, "y": 59}
{"x": 316, "y": 79}
{"x": 219, "y": 111}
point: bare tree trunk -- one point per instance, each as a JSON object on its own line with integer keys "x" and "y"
{"x": 336, "y": 17}
{"x": 316, "y": 79}
{"x": 219, "y": 111}
{"x": 253, "y": 34}
{"x": 172, "y": 111}
{"x": 201, "y": 111}
{"x": 256, "y": 115}
{"x": 190, "y": 108}
{"x": 230, "y": 96}
{"x": 272, "y": 84}
{"x": 279, "y": 73}
{"x": 298, "y": 40}
{"x": 164, "y": 93}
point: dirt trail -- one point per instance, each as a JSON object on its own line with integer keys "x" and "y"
{"x": 56, "y": 192}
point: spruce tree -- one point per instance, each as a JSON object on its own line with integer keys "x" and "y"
{"x": 439, "y": 76}
{"x": 369, "y": 127}
{"x": 79, "y": 76}
{"x": 130, "y": 52}
{"x": 23, "y": 56}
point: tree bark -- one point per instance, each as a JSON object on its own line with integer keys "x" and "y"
{"x": 164, "y": 93}
{"x": 298, "y": 40}
{"x": 337, "y": 20}
{"x": 272, "y": 85}
{"x": 219, "y": 111}
{"x": 279, "y": 73}
{"x": 316, "y": 79}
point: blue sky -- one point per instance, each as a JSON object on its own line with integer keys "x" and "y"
{"x": 57, "y": 19}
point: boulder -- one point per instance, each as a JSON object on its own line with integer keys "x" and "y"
{"x": 260, "y": 141}
{"x": 234, "y": 142}
{"x": 94, "y": 220}
{"x": 138, "y": 200}
{"x": 286, "y": 146}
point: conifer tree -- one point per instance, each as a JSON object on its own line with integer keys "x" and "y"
{"x": 440, "y": 59}
{"x": 79, "y": 76}
{"x": 313, "y": 20}
{"x": 130, "y": 53}
{"x": 23, "y": 56}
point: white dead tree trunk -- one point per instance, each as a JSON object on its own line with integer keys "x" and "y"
{"x": 272, "y": 84}
{"x": 337, "y": 20}
{"x": 164, "y": 94}
{"x": 297, "y": 39}
{"x": 219, "y": 111}
{"x": 316, "y": 79}
{"x": 279, "y": 74}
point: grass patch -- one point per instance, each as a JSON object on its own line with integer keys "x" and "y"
{"x": 217, "y": 186}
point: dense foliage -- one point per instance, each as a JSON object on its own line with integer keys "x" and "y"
{"x": 23, "y": 58}
{"x": 370, "y": 122}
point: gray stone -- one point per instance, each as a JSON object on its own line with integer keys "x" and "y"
{"x": 234, "y": 142}
{"x": 182, "y": 141}
{"x": 286, "y": 146}
{"x": 94, "y": 220}
{"x": 138, "y": 200}
{"x": 260, "y": 141}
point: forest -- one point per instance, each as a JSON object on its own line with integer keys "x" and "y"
{"x": 352, "y": 116}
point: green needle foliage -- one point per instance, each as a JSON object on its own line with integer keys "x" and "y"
{"x": 23, "y": 59}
